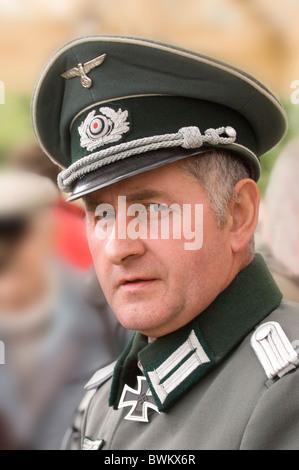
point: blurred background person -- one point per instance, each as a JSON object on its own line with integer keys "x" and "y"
{"x": 70, "y": 241}
{"x": 55, "y": 337}
{"x": 280, "y": 222}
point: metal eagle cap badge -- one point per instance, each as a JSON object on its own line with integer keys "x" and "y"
{"x": 83, "y": 69}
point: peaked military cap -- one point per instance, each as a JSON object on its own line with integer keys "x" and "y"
{"x": 108, "y": 108}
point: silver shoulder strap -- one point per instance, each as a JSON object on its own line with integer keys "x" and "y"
{"x": 72, "y": 438}
{"x": 274, "y": 350}
{"x": 100, "y": 377}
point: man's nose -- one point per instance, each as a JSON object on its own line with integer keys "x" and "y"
{"x": 119, "y": 250}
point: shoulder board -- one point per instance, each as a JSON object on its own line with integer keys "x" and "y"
{"x": 100, "y": 377}
{"x": 274, "y": 350}
{"x": 70, "y": 441}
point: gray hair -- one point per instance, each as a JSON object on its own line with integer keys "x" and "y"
{"x": 218, "y": 171}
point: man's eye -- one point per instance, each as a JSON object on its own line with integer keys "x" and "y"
{"x": 105, "y": 215}
{"x": 158, "y": 207}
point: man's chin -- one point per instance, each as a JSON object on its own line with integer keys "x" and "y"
{"x": 151, "y": 327}
{"x": 146, "y": 321}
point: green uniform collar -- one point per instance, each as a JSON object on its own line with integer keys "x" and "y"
{"x": 174, "y": 363}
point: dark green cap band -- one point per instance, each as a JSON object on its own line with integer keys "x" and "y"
{"x": 158, "y": 115}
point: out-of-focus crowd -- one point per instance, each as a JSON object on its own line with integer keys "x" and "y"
{"x": 55, "y": 323}
{"x": 278, "y": 235}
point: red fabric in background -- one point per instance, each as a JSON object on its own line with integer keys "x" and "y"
{"x": 71, "y": 241}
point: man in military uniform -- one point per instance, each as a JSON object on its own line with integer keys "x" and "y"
{"x": 163, "y": 131}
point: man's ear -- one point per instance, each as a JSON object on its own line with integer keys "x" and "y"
{"x": 243, "y": 214}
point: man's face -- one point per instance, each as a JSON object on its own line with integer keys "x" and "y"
{"x": 157, "y": 286}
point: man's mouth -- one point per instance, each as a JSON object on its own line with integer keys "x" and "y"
{"x": 136, "y": 283}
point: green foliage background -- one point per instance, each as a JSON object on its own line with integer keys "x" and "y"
{"x": 268, "y": 160}
{"x": 16, "y": 127}
{"x": 15, "y": 123}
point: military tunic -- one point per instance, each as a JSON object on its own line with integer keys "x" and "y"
{"x": 226, "y": 402}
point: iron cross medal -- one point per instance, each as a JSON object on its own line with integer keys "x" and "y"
{"x": 140, "y": 401}
{"x": 83, "y": 69}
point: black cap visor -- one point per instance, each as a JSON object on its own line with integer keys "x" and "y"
{"x": 135, "y": 165}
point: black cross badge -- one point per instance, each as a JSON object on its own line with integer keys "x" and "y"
{"x": 139, "y": 400}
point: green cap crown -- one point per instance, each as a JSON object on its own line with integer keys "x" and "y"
{"x": 106, "y": 108}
